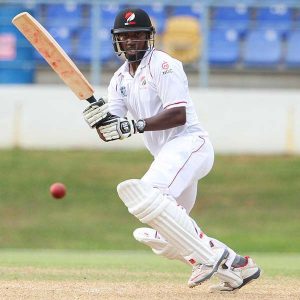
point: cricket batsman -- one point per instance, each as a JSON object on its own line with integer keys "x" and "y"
{"x": 153, "y": 87}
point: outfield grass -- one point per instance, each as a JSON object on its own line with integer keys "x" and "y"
{"x": 250, "y": 202}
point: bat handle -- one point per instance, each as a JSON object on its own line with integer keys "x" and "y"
{"x": 92, "y": 99}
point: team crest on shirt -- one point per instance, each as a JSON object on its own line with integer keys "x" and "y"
{"x": 143, "y": 82}
{"x": 166, "y": 68}
{"x": 123, "y": 91}
{"x": 165, "y": 65}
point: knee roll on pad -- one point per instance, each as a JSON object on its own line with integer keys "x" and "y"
{"x": 162, "y": 213}
{"x": 142, "y": 200}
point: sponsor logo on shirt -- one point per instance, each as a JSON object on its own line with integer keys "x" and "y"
{"x": 165, "y": 66}
{"x": 167, "y": 71}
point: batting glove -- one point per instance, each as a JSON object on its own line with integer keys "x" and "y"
{"x": 96, "y": 112}
{"x": 116, "y": 128}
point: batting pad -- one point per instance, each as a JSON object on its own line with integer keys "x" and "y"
{"x": 148, "y": 237}
{"x": 159, "y": 246}
{"x": 163, "y": 214}
{"x": 170, "y": 252}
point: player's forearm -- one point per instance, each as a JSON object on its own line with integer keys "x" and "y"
{"x": 168, "y": 118}
{"x": 117, "y": 128}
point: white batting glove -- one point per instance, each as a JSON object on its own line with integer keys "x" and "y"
{"x": 116, "y": 128}
{"x": 96, "y": 112}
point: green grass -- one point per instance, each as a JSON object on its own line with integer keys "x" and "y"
{"x": 250, "y": 202}
{"x": 105, "y": 265}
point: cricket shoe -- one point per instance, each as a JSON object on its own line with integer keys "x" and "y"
{"x": 235, "y": 278}
{"x": 202, "y": 272}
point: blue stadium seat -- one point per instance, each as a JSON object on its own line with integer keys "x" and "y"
{"x": 8, "y": 11}
{"x": 237, "y": 18}
{"x": 63, "y": 37}
{"x": 262, "y": 49}
{"x": 292, "y": 58}
{"x": 69, "y": 14}
{"x": 278, "y": 17}
{"x": 38, "y": 11}
{"x": 84, "y": 47}
{"x": 223, "y": 47}
{"x": 108, "y": 14}
{"x": 187, "y": 10}
{"x": 276, "y": 12}
{"x": 158, "y": 16}
{"x": 84, "y": 54}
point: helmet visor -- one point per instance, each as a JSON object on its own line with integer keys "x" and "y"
{"x": 139, "y": 29}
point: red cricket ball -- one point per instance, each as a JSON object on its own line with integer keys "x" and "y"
{"x": 58, "y": 190}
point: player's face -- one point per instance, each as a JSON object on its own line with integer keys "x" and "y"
{"x": 132, "y": 43}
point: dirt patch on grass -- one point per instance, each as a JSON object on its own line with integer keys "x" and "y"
{"x": 279, "y": 288}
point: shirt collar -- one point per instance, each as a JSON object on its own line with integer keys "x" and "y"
{"x": 145, "y": 60}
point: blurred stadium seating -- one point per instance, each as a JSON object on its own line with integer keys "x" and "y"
{"x": 158, "y": 16}
{"x": 68, "y": 14}
{"x": 16, "y": 54}
{"x": 84, "y": 54}
{"x": 236, "y": 18}
{"x": 62, "y": 35}
{"x": 108, "y": 14}
{"x": 224, "y": 47}
{"x": 241, "y": 35}
{"x": 85, "y": 35}
{"x": 293, "y": 50}
{"x": 263, "y": 48}
{"x": 278, "y": 17}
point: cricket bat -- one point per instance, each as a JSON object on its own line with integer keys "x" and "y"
{"x": 56, "y": 57}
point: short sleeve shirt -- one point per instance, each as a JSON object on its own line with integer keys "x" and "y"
{"x": 159, "y": 83}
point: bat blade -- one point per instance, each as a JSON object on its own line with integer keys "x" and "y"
{"x": 56, "y": 57}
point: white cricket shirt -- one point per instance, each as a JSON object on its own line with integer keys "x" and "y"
{"x": 159, "y": 83}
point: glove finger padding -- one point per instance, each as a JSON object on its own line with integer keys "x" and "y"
{"x": 96, "y": 112}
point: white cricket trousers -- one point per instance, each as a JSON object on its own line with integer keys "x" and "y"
{"x": 179, "y": 165}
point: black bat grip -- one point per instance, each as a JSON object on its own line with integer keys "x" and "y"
{"x": 92, "y": 99}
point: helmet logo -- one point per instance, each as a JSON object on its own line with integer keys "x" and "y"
{"x": 129, "y": 16}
